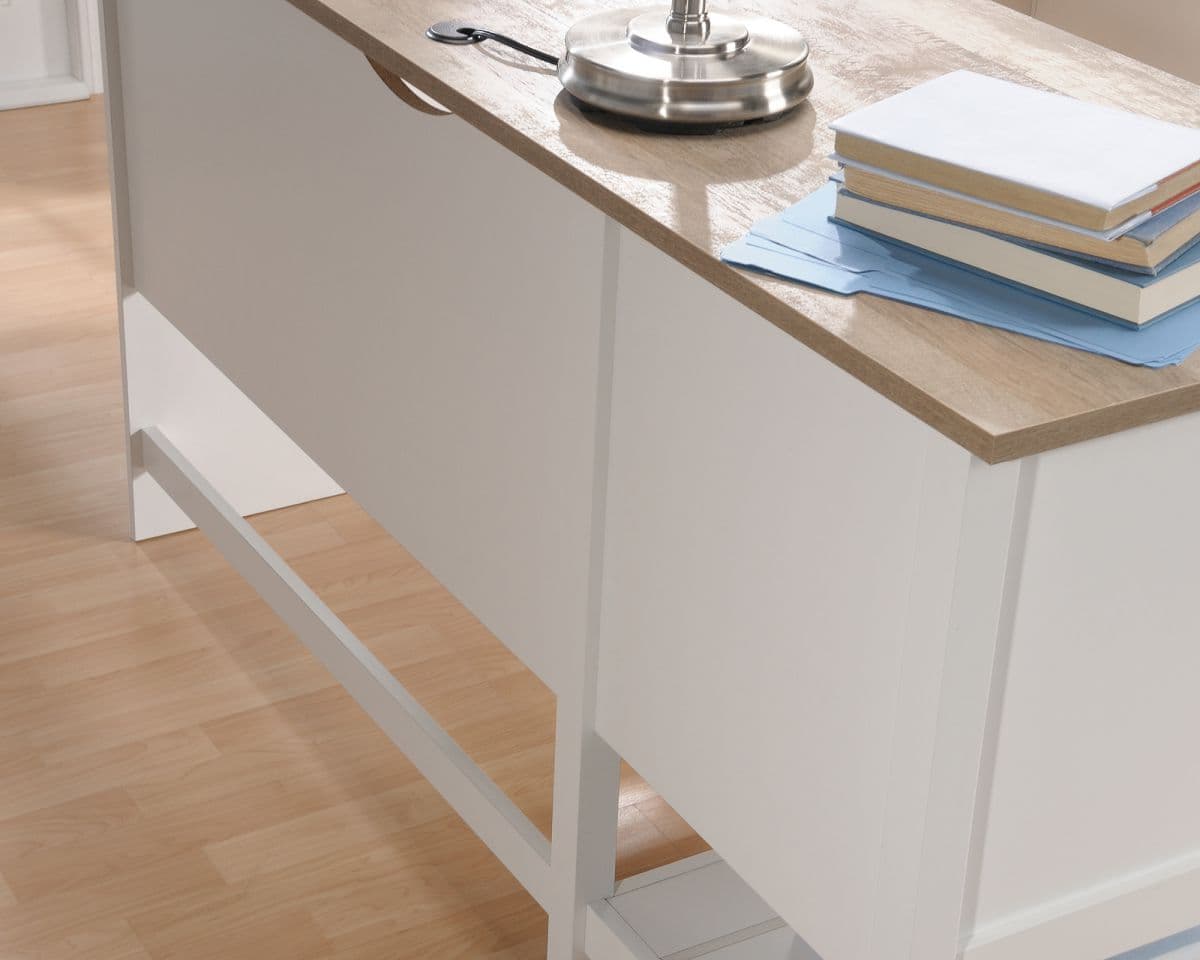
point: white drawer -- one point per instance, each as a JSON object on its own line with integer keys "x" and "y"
{"x": 762, "y": 532}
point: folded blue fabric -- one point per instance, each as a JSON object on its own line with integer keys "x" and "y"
{"x": 803, "y": 244}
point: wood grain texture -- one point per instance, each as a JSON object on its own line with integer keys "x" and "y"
{"x": 1000, "y": 395}
{"x": 178, "y": 777}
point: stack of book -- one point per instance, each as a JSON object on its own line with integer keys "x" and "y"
{"x": 1080, "y": 203}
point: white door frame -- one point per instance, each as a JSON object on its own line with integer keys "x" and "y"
{"x": 83, "y": 26}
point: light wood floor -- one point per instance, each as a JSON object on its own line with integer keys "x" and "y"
{"x": 178, "y": 779}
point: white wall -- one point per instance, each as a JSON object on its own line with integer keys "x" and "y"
{"x": 34, "y": 40}
{"x": 49, "y": 51}
{"x": 1163, "y": 33}
{"x": 93, "y": 13}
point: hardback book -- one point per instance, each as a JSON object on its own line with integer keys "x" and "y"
{"x": 1084, "y": 164}
{"x": 1146, "y": 248}
{"x": 1132, "y": 298}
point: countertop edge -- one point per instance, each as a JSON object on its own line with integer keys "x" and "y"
{"x": 988, "y": 446}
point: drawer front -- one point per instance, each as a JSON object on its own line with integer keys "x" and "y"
{"x": 763, "y": 517}
{"x": 1096, "y": 786}
{"x": 413, "y": 305}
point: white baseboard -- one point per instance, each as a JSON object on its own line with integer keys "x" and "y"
{"x": 43, "y": 90}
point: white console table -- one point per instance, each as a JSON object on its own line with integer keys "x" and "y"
{"x": 898, "y": 612}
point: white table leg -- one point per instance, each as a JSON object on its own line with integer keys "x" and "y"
{"x": 586, "y": 769}
{"x": 995, "y": 518}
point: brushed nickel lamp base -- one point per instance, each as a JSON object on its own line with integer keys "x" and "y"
{"x": 682, "y": 69}
{"x": 686, "y": 66}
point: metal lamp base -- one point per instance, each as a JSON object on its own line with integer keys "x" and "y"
{"x": 685, "y": 66}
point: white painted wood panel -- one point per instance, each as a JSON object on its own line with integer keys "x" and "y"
{"x": 781, "y": 944}
{"x": 170, "y": 384}
{"x": 691, "y": 908}
{"x": 698, "y": 907}
{"x": 411, "y": 303}
{"x": 758, "y": 587}
{"x": 587, "y": 771}
{"x": 995, "y": 517}
{"x": 609, "y": 937}
{"x": 1092, "y": 841}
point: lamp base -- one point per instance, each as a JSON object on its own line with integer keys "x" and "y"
{"x": 717, "y": 72}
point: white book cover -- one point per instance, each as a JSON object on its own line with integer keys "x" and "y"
{"x": 1114, "y": 234}
{"x": 1096, "y": 155}
{"x": 1134, "y": 298}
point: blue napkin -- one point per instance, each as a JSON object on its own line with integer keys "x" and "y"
{"x": 803, "y": 244}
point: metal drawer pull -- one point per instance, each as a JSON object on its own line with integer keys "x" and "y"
{"x": 408, "y": 93}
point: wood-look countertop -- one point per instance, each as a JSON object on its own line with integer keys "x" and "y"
{"x": 1000, "y": 395}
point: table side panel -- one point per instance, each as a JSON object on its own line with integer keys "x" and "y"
{"x": 415, "y": 306}
{"x": 762, "y": 522}
{"x": 1096, "y": 784}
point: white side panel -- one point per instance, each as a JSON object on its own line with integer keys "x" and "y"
{"x": 587, "y": 771}
{"x": 609, "y": 937}
{"x": 763, "y": 524}
{"x": 779, "y": 944}
{"x": 1092, "y": 833}
{"x": 694, "y": 908}
{"x": 172, "y": 385}
{"x": 691, "y": 908}
{"x": 416, "y": 307}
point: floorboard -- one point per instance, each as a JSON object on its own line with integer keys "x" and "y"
{"x": 178, "y": 777}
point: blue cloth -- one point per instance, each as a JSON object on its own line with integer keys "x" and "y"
{"x": 803, "y": 244}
